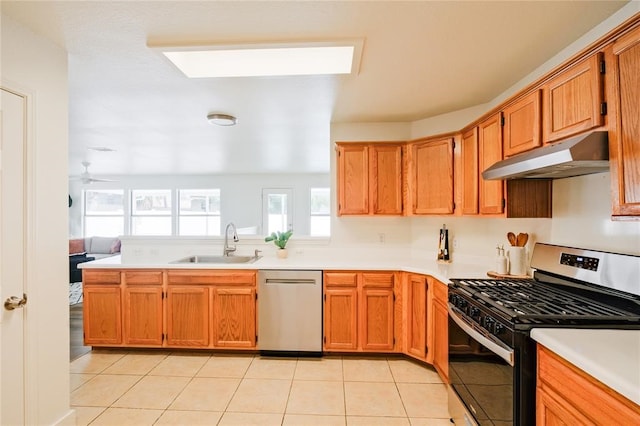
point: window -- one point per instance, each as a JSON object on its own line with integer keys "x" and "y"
{"x": 199, "y": 212}
{"x": 104, "y": 212}
{"x": 320, "y": 225}
{"x": 277, "y": 211}
{"x": 151, "y": 212}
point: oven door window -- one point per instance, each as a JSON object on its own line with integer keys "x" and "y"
{"x": 482, "y": 380}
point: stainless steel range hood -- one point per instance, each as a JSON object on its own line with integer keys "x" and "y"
{"x": 579, "y": 155}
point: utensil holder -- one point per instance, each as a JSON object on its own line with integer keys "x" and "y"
{"x": 517, "y": 261}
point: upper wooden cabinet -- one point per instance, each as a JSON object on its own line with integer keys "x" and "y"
{"x": 522, "y": 125}
{"x": 369, "y": 178}
{"x": 572, "y": 100}
{"x": 430, "y": 177}
{"x": 623, "y": 87}
{"x": 491, "y": 192}
{"x": 469, "y": 171}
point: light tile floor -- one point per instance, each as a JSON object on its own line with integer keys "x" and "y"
{"x": 164, "y": 388}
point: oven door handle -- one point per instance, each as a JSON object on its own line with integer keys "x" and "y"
{"x": 497, "y": 348}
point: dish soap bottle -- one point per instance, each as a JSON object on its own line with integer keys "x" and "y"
{"x": 501, "y": 261}
{"x": 443, "y": 245}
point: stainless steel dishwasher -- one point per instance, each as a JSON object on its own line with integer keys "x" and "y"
{"x": 290, "y": 312}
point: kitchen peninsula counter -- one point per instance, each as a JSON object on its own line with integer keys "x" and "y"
{"x": 441, "y": 272}
{"x": 610, "y": 356}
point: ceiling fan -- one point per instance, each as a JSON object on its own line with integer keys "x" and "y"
{"x": 86, "y": 178}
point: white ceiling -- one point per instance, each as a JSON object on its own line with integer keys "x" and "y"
{"x": 420, "y": 59}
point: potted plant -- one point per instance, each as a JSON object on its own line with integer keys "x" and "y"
{"x": 280, "y": 239}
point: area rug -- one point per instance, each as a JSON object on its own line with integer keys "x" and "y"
{"x": 75, "y": 293}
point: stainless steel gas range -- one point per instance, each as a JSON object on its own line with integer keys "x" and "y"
{"x": 492, "y": 359}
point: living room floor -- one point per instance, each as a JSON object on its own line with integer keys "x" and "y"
{"x": 195, "y": 388}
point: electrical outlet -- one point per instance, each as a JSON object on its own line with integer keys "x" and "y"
{"x": 455, "y": 243}
{"x": 382, "y": 237}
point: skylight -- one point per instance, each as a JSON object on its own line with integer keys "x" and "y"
{"x": 255, "y": 61}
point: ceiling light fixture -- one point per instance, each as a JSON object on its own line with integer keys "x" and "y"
{"x": 260, "y": 60}
{"x": 222, "y": 119}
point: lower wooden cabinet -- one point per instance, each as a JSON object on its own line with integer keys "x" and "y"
{"x": 102, "y": 314}
{"x": 416, "y": 297}
{"x": 359, "y": 311}
{"x": 566, "y": 395}
{"x": 440, "y": 328}
{"x": 188, "y": 316}
{"x": 170, "y": 308}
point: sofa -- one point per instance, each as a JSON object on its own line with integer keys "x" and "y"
{"x": 91, "y": 248}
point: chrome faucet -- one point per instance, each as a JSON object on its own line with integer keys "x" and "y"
{"x": 226, "y": 251}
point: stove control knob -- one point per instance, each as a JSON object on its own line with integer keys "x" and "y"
{"x": 499, "y": 328}
{"x": 474, "y": 312}
{"x": 489, "y": 324}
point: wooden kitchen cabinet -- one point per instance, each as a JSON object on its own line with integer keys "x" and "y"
{"x": 623, "y": 88}
{"x": 102, "y": 307}
{"x": 469, "y": 172}
{"x": 416, "y": 316}
{"x": 522, "y": 125}
{"x": 491, "y": 192}
{"x": 234, "y": 314}
{"x": 142, "y": 308}
{"x": 568, "y": 395}
{"x": 440, "y": 328}
{"x": 430, "y": 177}
{"x": 376, "y": 307}
{"x": 359, "y": 311}
{"x": 369, "y": 178}
{"x": 188, "y": 316}
{"x": 211, "y": 308}
{"x": 341, "y": 311}
{"x": 572, "y": 100}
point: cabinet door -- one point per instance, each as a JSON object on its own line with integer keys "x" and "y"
{"x": 624, "y": 131}
{"x": 441, "y": 340}
{"x": 552, "y": 410}
{"x": 143, "y": 315}
{"x": 385, "y": 179}
{"x": 102, "y": 316}
{"x": 376, "y": 311}
{"x": 340, "y": 318}
{"x": 353, "y": 179}
{"x": 522, "y": 125}
{"x": 572, "y": 100}
{"x": 432, "y": 177}
{"x": 417, "y": 316}
{"x": 234, "y": 317}
{"x": 490, "y": 152}
{"x": 188, "y": 316}
{"x": 470, "y": 172}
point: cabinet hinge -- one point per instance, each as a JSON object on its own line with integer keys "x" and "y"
{"x": 324, "y": 339}
{"x": 603, "y": 108}
{"x": 256, "y": 296}
{"x": 325, "y": 297}
{"x": 502, "y": 120}
{"x": 394, "y": 340}
{"x": 454, "y": 144}
{"x": 603, "y": 67}
{"x": 256, "y": 338}
{"x": 504, "y": 203}
{"x": 394, "y": 297}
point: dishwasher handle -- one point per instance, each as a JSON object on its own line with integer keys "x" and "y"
{"x": 290, "y": 281}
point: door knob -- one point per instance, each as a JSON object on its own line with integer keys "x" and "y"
{"x": 14, "y": 302}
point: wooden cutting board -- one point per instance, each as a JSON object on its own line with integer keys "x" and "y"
{"x": 494, "y": 274}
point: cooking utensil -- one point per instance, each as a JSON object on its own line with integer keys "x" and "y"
{"x": 521, "y": 239}
{"x": 512, "y": 238}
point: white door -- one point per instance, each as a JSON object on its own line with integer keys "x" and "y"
{"x": 12, "y": 249}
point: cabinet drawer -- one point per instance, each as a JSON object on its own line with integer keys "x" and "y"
{"x": 346, "y": 279}
{"x": 378, "y": 279}
{"x": 143, "y": 277}
{"x": 212, "y": 277}
{"x": 101, "y": 277}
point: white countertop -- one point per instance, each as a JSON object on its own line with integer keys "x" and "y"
{"x": 611, "y": 356}
{"x": 441, "y": 272}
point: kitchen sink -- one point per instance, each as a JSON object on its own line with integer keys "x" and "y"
{"x": 218, "y": 259}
